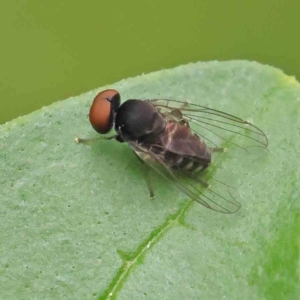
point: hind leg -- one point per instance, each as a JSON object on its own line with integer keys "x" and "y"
{"x": 217, "y": 149}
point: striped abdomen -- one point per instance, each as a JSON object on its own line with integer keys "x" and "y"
{"x": 181, "y": 149}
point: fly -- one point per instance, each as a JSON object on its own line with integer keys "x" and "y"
{"x": 177, "y": 140}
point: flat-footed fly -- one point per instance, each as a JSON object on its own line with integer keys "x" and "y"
{"x": 176, "y": 139}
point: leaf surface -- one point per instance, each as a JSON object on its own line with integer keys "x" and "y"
{"x": 77, "y": 223}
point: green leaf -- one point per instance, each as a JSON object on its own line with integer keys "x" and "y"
{"x": 77, "y": 222}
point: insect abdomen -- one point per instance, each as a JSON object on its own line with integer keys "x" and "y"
{"x": 184, "y": 150}
{"x": 186, "y": 163}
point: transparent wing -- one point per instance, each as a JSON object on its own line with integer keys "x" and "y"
{"x": 215, "y": 127}
{"x": 218, "y": 197}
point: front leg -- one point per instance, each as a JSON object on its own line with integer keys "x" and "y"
{"x": 90, "y": 141}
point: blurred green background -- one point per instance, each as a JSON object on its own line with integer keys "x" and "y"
{"x": 51, "y": 50}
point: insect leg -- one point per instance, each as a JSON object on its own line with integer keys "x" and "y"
{"x": 203, "y": 183}
{"x": 148, "y": 182}
{"x": 216, "y": 149}
{"x": 146, "y": 177}
{"x": 89, "y": 141}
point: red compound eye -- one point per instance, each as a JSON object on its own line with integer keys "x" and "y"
{"x": 101, "y": 112}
